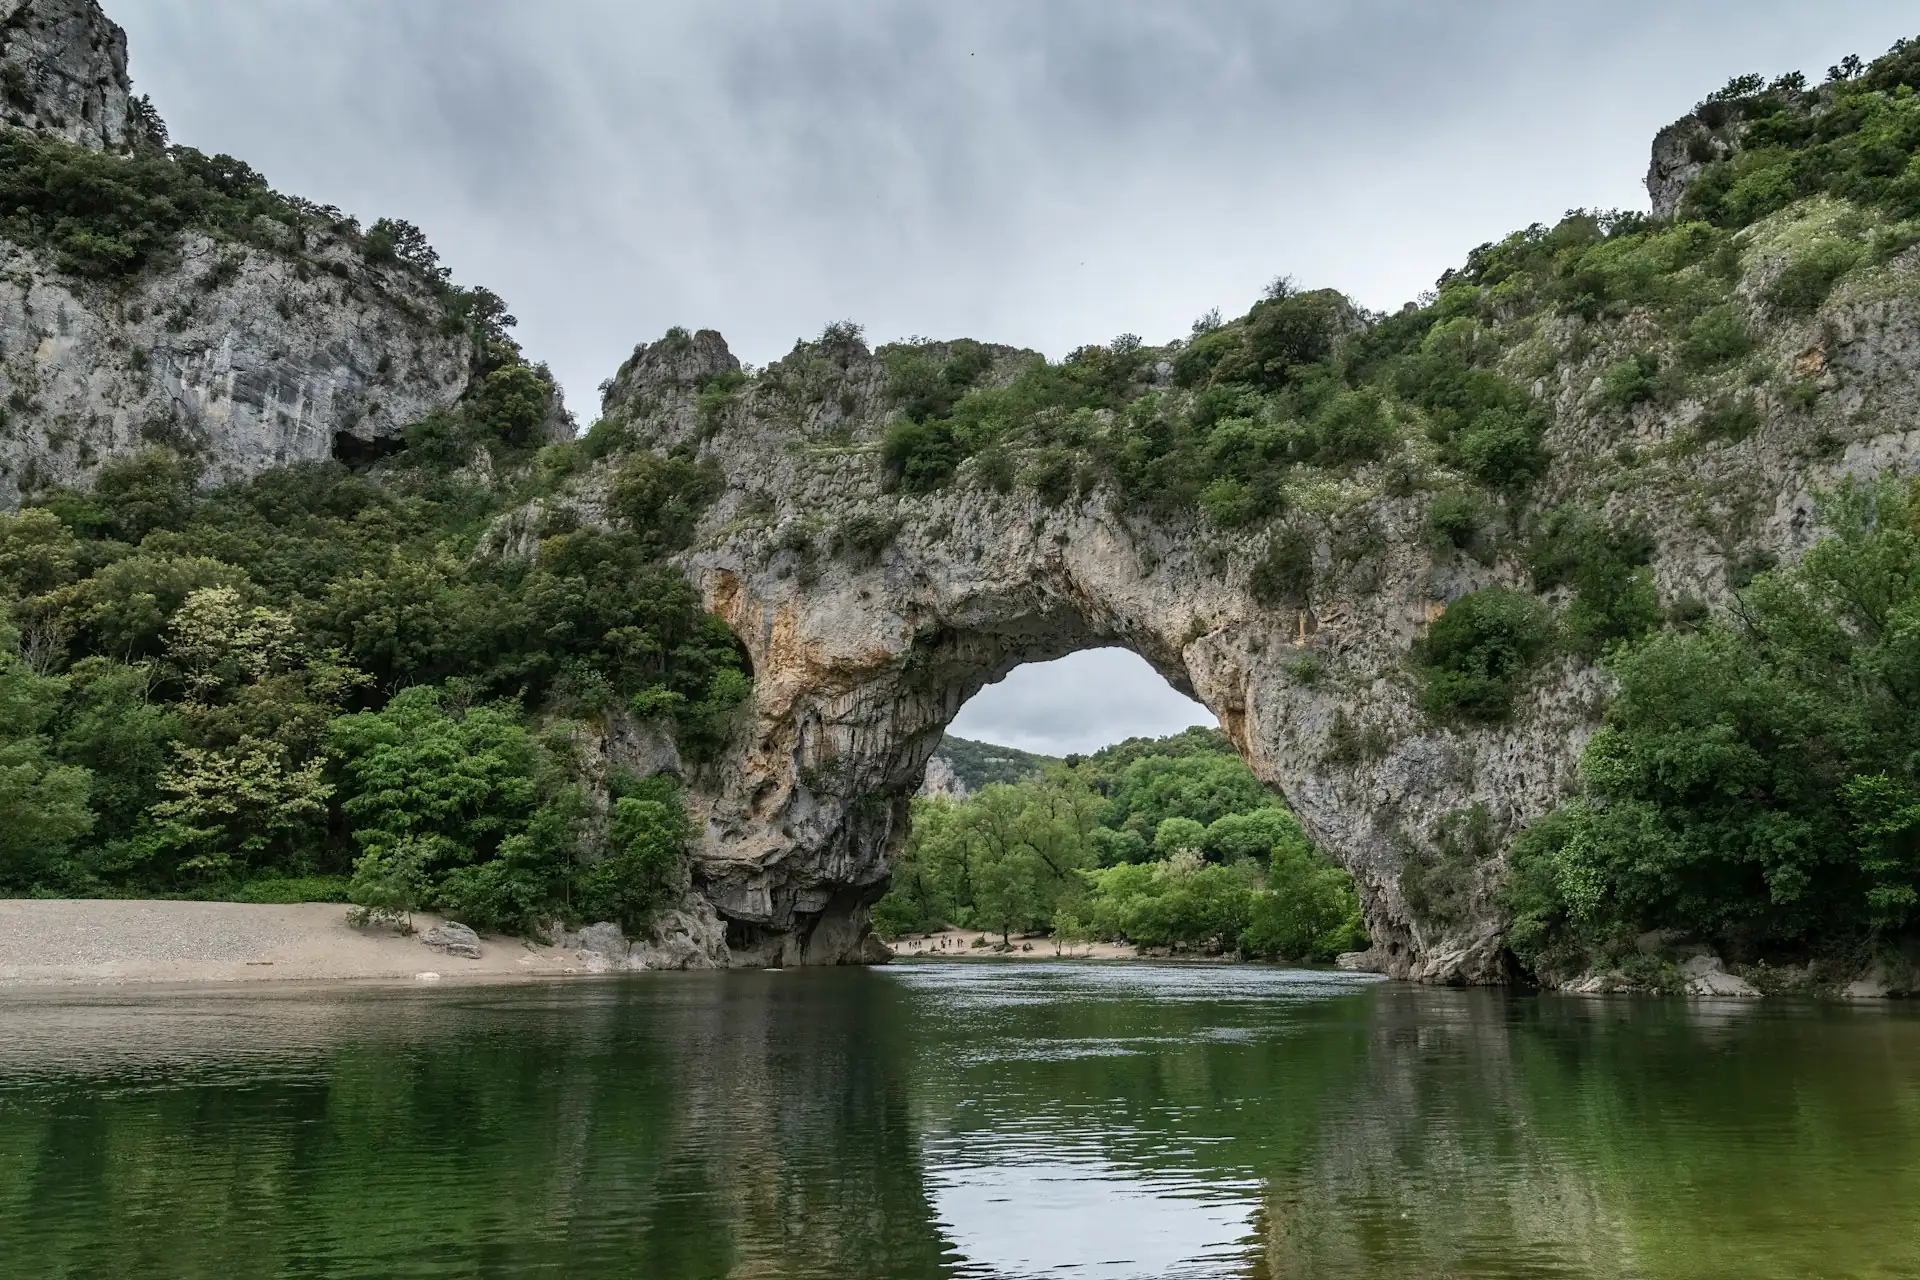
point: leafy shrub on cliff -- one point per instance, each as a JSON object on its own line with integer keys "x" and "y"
{"x": 645, "y": 867}
{"x": 1754, "y": 784}
{"x": 1614, "y": 597}
{"x": 109, "y": 215}
{"x": 1456, "y": 519}
{"x": 1853, "y": 137}
{"x": 1284, "y": 575}
{"x": 1477, "y": 655}
{"x": 1804, "y": 283}
{"x": 661, "y": 497}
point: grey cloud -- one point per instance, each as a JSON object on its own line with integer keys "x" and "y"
{"x": 1080, "y": 703}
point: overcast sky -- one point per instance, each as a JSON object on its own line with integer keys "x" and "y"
{"x": 1040, "y": 172}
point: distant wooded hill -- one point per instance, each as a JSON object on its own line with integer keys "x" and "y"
{"x": 976, "y": 764}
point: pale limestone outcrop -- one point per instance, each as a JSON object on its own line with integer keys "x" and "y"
{"x": 63, "y": 72}
{"x": 248, "y": 357}
{"x": 941, "y": 780}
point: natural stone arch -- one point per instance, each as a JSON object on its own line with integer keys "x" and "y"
{"x": 861, "y": 668}
{"x": 872, "y": 616}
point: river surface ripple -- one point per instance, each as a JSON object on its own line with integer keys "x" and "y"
{"x": 956, "y": 1120}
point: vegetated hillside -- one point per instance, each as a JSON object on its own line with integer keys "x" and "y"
{"x": 342, "y": 675}
{"x": 978, "y": 764}
{"x": 456, "y": 672}
{"x": 1162, "y": 842}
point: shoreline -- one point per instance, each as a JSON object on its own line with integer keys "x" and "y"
{"x": 972, "y": 944}
{"x": 76, "y": 944}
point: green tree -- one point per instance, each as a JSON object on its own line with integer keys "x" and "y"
{"x": 1753, "y": 784}
{"x": 1477, "y": 655}
{"x": 43, "y": 803}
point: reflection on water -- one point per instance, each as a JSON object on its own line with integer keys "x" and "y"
{"x": 956, "y": 1120}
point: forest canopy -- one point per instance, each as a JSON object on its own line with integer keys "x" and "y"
{"x": 1166, "y": 842}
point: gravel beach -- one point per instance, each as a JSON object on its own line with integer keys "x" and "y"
{"x": 111, "y": 942}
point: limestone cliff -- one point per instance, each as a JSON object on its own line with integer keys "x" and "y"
{"x": 254, "y": 346}
{"x": 872, "y": 615}
{"x": 63, "y": 72}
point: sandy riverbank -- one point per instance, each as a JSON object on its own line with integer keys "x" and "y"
{"x": 109, "y": 942}
{"x": 120, "y": 942}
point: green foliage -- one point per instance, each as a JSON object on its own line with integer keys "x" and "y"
{"x": 1284, "y": 575}
{"x": 43, "y": 803}
{"x": 1729, "y": 419}
{"x": 1002, "y": 860}
{"x": 1456, "y": 520}
{"x": 661, "y": 497}
{"x": 1179, "y": 901}
{"x": 1631, "y": 381}
{"x": 1478, "y": 654}
{"x": 1303, "y": 380}
{"x": 1804, "y": 283}
{"x": 1715, "y": 337}
{"x": 220, "y": 689}
{"x": 456, "y": 780}
{"x": 1164, "y": 842}
{"x": 1614, "y": 597}
{"x": 1255, "y": 834}
{"x": 108, "y": 215}
{"x": 511, "y": 405}
{"x": 1753, "y": 785}
{"x": 1310, "y": 911}
{"x": 923, "y": 449}
{"x": 281, "y": 890}
{"x": 645, "y": 866}
{"x": 1202, "y": 788}
{"x": 865, "y": 535}
{"x": 1439, "y": 881}
{"x": 1854, "y": 138}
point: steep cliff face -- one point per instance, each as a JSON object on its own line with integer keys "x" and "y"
{"x": 250, "y": 357}
{"x": 63, "y": 72}
{"x": 255, "y": 346}
{"x": 872, "y": 615}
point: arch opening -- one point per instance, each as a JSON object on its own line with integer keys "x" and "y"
{"x": 1085, "y": 806}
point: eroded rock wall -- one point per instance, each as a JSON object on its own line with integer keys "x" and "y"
{"x": 63, "y": 72}
{"x": 250, "y": 358}
{"x": 872, "y": 616}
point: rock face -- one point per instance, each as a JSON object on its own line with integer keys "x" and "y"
{"x": 288, "y": 348}
{"x": 941, "y": 780}
{"x": 63, "y": 72}
{"x": 871, "y": 616}
{"x": 689, "y": 936}
{"x": 274, "y": 359}
{"x": 453, "y": 939}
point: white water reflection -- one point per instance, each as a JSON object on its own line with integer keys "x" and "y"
{"x": 1031, "y": 1214}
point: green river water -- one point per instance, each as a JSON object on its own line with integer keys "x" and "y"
{"x": 969, "y": 1119}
